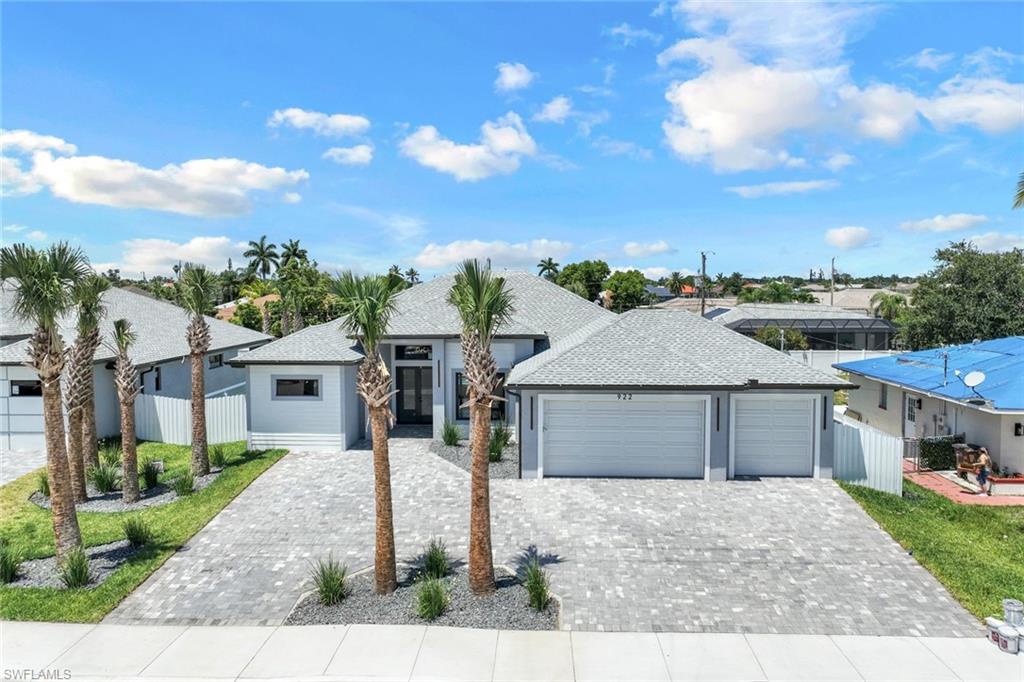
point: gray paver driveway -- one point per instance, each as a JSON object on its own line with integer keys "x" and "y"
{"x": 16, "y": 463}
{"x": 777, "y": 556}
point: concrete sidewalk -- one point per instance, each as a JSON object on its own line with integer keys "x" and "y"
{"x": 413, "y": 652}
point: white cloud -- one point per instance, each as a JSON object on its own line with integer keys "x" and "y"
{"x": 628, "y": 35}
{"x": 26, "y": 141}
{"x": 993, "y": 105}
{"x": 291, "y": 197}
{"x": 402, "y": 226}
{"x": 159, "y": 256}
{"x": 990, "y": 60}
{"x": 555, "y": 111}
{"x": 611, "y": 147}
{"x": 945, "y": 223}
{"x": 838, "y": 162}
{"x": 501, "y": 253}
{"x": 929, "y": 58}
{"x": 359, "y": 155}
{"x": 513, "y": 77}
{"x": 655, "y": 272}
{"x": 502, "y": 143}
{"x": 883, "y": 112}
{"x": 643, "y": 250}
{"x": 849, "y": 237}
{"x": 770, "y": 189}
{"x": 36, "y": 236}
{"x": 996, "y": 241}
{"x": 608, "y": 73}
{"x": 14, "y": 180}
{"x": 596, "y": 90}
{"x": 14, "y": 227}
{"x": 333, "y": 125}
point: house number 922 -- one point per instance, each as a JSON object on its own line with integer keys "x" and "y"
{"x": 625, "y": 396}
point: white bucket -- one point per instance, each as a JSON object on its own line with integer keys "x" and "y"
{"x": 1013, "y": 612}
{"x": 993, "y": 625}
{"x": 1008, "y": 640}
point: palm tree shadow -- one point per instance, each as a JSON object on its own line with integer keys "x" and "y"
{"x": 417, "y": 565}
{"x": 530, "y": 555}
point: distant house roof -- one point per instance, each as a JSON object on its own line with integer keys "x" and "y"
{"x": 804, "y": 316}
{"x": 226, "y": 311}
{"x": 693, "y": 304}
{"x": 159, "y": 325}
{"x": 934, "y": 371}
{"x": 656, "y": 348}
{"x": 858, "y": 299}
{"x": 541, "y": 310}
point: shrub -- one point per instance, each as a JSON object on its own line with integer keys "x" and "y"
{"x": 436, "y": 563}
{"x": 104, "y": 478}
{"x": 218, "y": 457}
{"x": 937, "y": 453}
{"x": 43, "y": 483}
{"x": 450, "y": 433}
{"x": 10, "y": 563}
{"x": 137, "y": 531}
{"x": 503, "y": 434}
{"x": 184, "y": 484}
{"x": 150, "y": 474}
{"x": 74, "y": 569}
{"x": 110, "y": 455}
{"x": 431, "y": 598}
{"x": 331, "y": 579}
{"x": 494, "y": 450}
{"x": 536, "y": 582}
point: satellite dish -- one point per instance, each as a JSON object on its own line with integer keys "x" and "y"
{"x": 974, "y": 379}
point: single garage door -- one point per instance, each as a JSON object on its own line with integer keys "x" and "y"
{"x": 631, "y": 435}
{"x": 773, "y": 435}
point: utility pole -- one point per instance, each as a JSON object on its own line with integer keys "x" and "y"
{"x": 832, "y": 284}
{"x": 703, "y": 280}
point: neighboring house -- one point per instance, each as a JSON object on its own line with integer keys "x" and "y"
{"x": 692, "y": 304}
{"x": 920, "y": 394}
{"x": 826, "y": 327}
{"x": 160, "y": 353}
{"x": 302, "y": 388}
{"x": 225, "y": 311}
{"x": 857, "y": 299}
{"x": 662, "y": 294}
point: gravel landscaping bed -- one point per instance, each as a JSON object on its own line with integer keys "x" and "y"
{"x": 460, "y": 456}
{"x": 103, "y": 560}
{"x": 506, "y": 609}
{"x": 111, "y": 502}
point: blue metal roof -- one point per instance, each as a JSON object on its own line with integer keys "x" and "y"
{"x": 1002, "y": 361}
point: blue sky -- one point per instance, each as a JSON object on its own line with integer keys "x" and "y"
{"x": 776, "y": 136}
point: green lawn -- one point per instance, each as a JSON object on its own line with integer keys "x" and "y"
{"x": 976, "y": 552}
{"x": 28, "y": 528}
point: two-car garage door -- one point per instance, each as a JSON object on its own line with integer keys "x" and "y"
{"x": 624, "y": 434}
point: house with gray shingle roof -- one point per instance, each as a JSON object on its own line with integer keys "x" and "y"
{"x": 160, "y": 353}
{"x": 826, "y": 327}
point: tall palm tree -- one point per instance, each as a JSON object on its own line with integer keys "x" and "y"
{"x": 198, "y": 287}
{"x": 484, "y": 304}
{"x": 367, "y": 304}
{"x": 126, "y": 379}
{"x": 45, "y": 283}
{"x": 262, "y": 256}
{"x": 412, "y": 276}
{"x": 291, "y": 251}
{"x": 675, "y": 283}
{"x": 888, "y": 305}
{"x": 230, "y": 285}
{"x": 547, "y": 268}
{"x": 1018, "y": 198}
{"x": 80, "y": 398}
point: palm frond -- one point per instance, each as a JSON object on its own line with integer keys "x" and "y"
{"x": 45, "y": 279}
{"x": 367, "y": 303}
{"x": 124, "y": 336}
{"x": 89, "y": 299}
{"x": 198, "y": 288}
{"x": 483, "y": 301}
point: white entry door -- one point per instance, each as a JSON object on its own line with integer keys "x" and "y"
{"x": 623, "y": 435}
{"x": 773, "y": 435}
{"x": 909, "y": 416}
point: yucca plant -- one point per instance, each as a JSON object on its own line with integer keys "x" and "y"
{"x": 136, "y": 531}
{"x": 450, "y": 433}
{"x": 331, "y": 580}
{"x": 74, "y": 569}
{"x": 431, "y": 598}
{"x": 10, "y": 563}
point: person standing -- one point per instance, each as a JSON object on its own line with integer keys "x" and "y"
{"x": 984, "y": 470}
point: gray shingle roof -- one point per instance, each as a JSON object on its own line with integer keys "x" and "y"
{"x": 787, "y": 311}
{"x": 159, "y": 325}
{"x": 541, "y": 309}
{"x": 664, "y": 348}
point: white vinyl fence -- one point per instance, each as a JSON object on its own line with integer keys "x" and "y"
{"x": 169, "y": 420}
{"x": 824, "y": 359}
{"x": 869, "y": 457}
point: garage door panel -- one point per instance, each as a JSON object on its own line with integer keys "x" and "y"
{"x": 641, "y": 438}
{"x": 773, "y": 437}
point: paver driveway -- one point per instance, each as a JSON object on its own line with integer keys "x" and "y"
{"x": 778, "y": 556}
{"x": 16, "y": 463}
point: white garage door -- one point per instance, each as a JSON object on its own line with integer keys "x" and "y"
{"x": 773, "y": 435}
{"x": 635, "y": 435}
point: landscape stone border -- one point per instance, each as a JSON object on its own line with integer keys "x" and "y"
{"x": 111, "y": 503}
{"x": 104, "y": 560}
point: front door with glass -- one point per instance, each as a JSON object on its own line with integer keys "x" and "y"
{"x": 415, "y": 395}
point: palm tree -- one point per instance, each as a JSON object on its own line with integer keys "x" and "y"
{"x": 45, "y": 291}
{"x": 412, "y": 276}
{"x": 262, "y": 256}
{"x": 547, "y": 268}
{"x": 230, "y": 285}
{"x": 888, "y": 305}
{"x": 396, "y": 278}
{"x": 484, "y": 304}
{"x": 291, "y": 251}
{"x": 1018, "y": 199}
{"x": 367, "y": 304}
{"x": 126, "y": 378}
{"x": 198, "y": 287}
{"x": 675, "y": 283}
{"x": 80, "y": 399}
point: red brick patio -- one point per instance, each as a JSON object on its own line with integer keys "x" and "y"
{"x": 950, "y": 490}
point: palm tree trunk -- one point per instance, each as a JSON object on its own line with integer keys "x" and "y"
{"x": 66, "y": 533}
{"x": 481, "y": 560}
{"x": 385, "y": 576}
{"x": 76, "y": 463}
{"x": 90, "y": 441}
{"x": 200, "y": 456}
{"x": 265, "y": 318}
{"x": 129, "y": 458}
